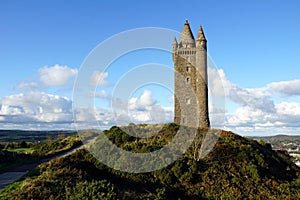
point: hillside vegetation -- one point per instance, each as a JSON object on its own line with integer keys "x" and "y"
{"x": 236, "y": 168}
{"x": 31, "y": 136}
{"x": 13, "y": 154}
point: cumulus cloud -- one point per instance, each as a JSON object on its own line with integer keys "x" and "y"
{"x": 219, "y": 85}
{"x": 257, "y": 109}
{"x": 35, "y": 107}
{"x": 98, "y": 79}
{"x": 285, "y": 119}
{"x": 56, "y": 75}
{"x": 102, "y": 94}
{"x": 146, "y": 110}
{"x": 142, "y": 109}
{"x": 39, "y": 110}
{"x": 288, "y": 108}
{"x": 284, "y": 88}
{"x": 143, "y": 102}
{"x": 26, "y": 86}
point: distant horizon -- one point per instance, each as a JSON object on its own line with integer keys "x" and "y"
{"x": 72, "y": 130}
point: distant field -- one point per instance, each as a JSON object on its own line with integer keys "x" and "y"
{"x": 22, "y": 150}
{"x": 31, "y": 136}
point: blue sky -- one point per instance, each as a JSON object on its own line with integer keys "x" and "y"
{"x": 255, "y": 44}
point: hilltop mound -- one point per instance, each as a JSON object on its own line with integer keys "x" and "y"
{"x": 236, "y": 168}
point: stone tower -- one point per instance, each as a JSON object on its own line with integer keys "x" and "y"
{"x": 191, "y": 92}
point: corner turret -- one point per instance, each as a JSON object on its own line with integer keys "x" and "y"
{"x": 174, "y": 44}
{"x": 201, "y": 40}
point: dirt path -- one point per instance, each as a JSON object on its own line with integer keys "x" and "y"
{"x": 15, "y": 173}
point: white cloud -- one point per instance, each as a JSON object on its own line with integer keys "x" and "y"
{"x": 284, "y": 120}
{"x": 171, "y": 99}
{"x": 143, "y": 102}
{"x": 102, "y": 94}
{"x": 141, "y": 109}
{"x": 221, "y": 87}
{"x": 98, "y": 79}
{"x": 84, "y": 115}
{"x": 218, "y": 83}
{"x": 288, "y": 108}
{"x": 247, "y": 116}
{"x": 257, "y": 110}
{"x": 35, "y": 107}
{"x": 285, "y": 88}
{"x": 56, "y": 75}
{"x": 27, "y": 86}
{"x": 144, "y": 109}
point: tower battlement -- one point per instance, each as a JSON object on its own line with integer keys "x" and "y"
{"x": 190, "y": 66}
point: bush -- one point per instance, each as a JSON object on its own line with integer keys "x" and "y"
{"x": 92, "y": 190}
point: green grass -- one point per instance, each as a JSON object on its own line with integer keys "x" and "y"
{"x": 21, "y": 150}
{"x": 5, "y": 192}
{"x": 8, "y": 190}
{"x": 14, "y": 157}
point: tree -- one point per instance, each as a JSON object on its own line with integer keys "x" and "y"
{"x": 23, "y": 144}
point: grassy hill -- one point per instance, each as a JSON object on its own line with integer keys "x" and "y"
{"x": 14, "y": 154}
{"x": 236, "y": 168}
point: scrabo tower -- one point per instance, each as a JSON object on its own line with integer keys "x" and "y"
{"x": 190, "y": 64}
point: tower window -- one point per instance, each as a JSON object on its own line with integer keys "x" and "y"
{"x": 188, "y": 80}
{"x": 183, "y": 120}
{"x": 187, "y": 69}
{"x": 188, "y": 101}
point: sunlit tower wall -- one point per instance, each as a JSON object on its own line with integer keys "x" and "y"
{"x": 190, "y": 65}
